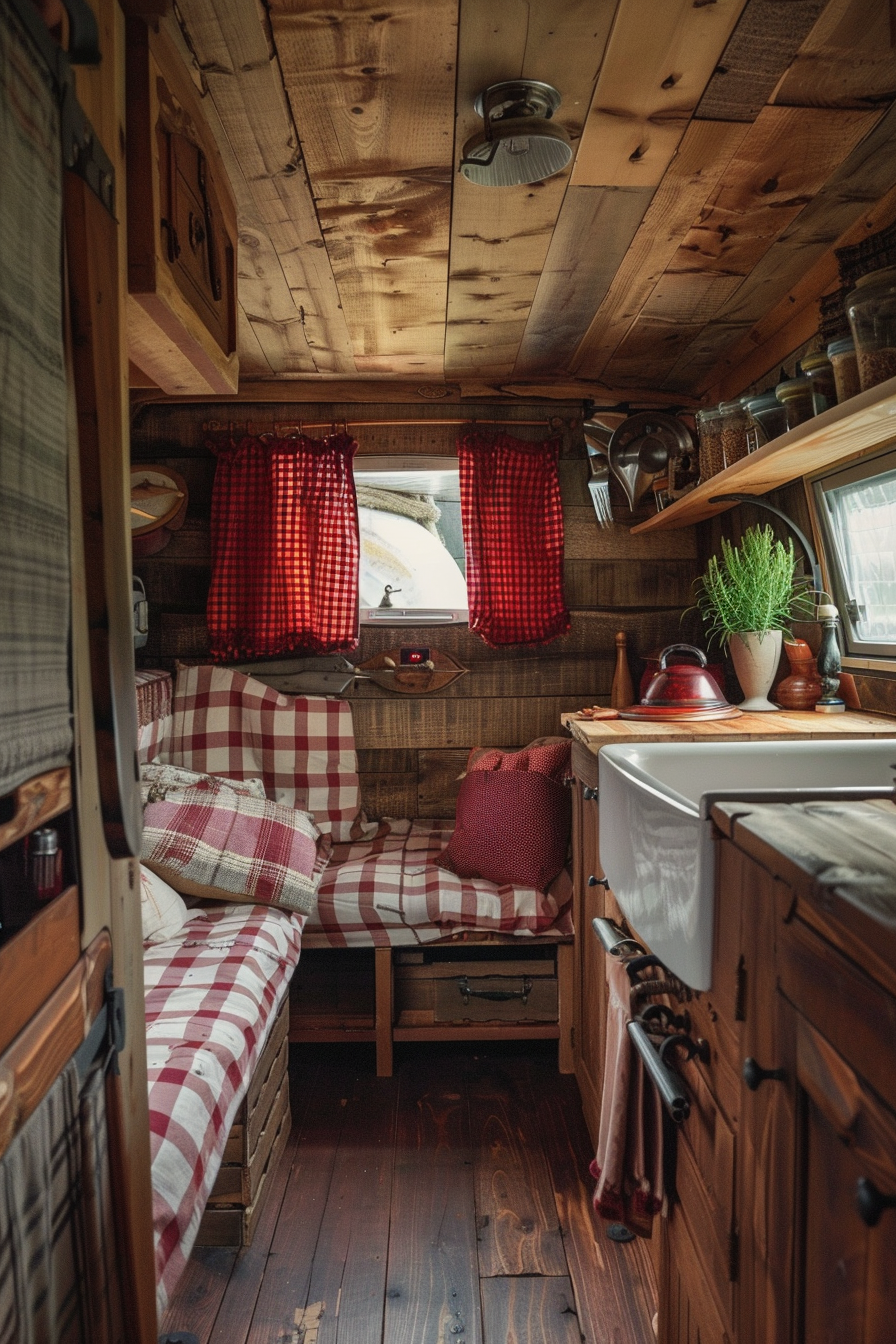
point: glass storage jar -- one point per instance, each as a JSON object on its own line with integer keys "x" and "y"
{"x": 818, "y": 369}
{"x": 735, "y": 422}
{"x": 845, "y": 363}
{"x": 769, "y": 414}
{"x": 709, "y": 438}
{"x": 795, "y": 395}
{"x": 871, "y": 309}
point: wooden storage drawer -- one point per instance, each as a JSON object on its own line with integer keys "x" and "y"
{"x": 256, "y": 1140}
{"x": 485, "y": 985}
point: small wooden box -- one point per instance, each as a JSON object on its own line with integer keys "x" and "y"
{"x": 182, "y": 228}
{"x": 489, "y": 984}
{"x": 254, "y": 1145}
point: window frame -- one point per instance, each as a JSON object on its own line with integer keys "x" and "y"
{"x": 407, "y": 616}
{"x": 858, "y": 653}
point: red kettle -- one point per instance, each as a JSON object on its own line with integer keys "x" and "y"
{"x": 684, "y": 685}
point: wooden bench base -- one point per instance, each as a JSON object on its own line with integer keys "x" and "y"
{"x": 392, "y": 1008}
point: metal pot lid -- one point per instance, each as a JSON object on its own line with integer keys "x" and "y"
{"x": 641, "y": 448}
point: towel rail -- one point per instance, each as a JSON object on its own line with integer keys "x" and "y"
{"x": 613, "y": 940}
{"x": 665, "y": 1079}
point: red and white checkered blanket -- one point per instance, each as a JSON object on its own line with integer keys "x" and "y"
{"x": 389, "y": 891}
{"x": 212, "y": 994}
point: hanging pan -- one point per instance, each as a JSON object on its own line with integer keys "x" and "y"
{"x": 641, "y": 449}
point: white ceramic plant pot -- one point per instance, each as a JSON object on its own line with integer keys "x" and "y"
{"x": 755, "y": 657}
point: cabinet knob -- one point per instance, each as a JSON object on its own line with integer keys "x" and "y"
{"x": 598, "y": 882}
{"x": 754, "y": 1074}
{"x": 870, "y": 1202}
{"x": 588, "y": 793}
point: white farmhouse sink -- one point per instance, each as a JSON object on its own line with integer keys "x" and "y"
{"x": 656, "y": 837}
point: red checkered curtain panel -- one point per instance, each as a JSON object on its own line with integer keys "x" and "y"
{"x": 284, "y": 548}
{"x": 513, "y": 538}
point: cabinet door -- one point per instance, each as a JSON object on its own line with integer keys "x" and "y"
{"x": 767, "y": 1131}
{"x": 848, "y": 1290}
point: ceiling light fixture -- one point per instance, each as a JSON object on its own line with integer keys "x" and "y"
{"x": 520, "y": 143}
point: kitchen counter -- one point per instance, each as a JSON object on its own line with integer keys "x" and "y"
{"x": 598, "y": 733}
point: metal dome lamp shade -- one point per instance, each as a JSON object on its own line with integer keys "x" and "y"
{"x": 520, "y": 143}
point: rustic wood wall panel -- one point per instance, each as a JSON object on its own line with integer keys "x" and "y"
{"x": 412, "y": 749}
{"x": 372, "y": 94}
{"x": 500, "y": 236}
{"x": 659, "y": 59}
{"x": 703, "y": 156}
{"x": 234, "y": 61}
{"x": 784, "y": 160}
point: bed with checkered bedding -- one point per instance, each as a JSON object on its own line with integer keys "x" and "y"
{"x": 212, "y": 995}
{"x": 212, "y": 992}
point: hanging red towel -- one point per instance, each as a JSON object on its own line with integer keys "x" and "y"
{"x": 513, "y": 538}
{"x": 628, "y": 1167}
{"x": 284, "y": 548}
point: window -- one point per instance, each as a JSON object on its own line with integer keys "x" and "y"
{"x": 411, "y": 541}
{"x": 857, "y": 511}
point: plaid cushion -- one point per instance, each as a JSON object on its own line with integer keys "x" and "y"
{"x": 231, "y": 846}
{"x": 212, "y": 994}
{"x": 302, "y": 747}
{"x": 389, "y": 891}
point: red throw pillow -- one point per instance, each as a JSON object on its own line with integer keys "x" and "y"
{"x": 546, "y": 756}
{"x": 512, "y": 828}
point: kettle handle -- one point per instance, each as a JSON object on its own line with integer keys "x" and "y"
{"x": 682, "y": 648}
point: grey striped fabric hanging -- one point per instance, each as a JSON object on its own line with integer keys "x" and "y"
{"x": 35, "y": 725}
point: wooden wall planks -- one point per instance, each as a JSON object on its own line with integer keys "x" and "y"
{"x": 412, "y": 750}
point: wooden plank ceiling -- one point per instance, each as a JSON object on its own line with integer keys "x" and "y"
{"x": 722, "y": 149}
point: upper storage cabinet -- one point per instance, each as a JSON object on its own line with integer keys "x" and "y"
{"x": 181, "y": 228}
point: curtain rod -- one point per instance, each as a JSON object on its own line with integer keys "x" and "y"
{"x": 556, "y": 423}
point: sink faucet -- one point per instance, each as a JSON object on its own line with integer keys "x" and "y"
{"x": 779, "y": 513}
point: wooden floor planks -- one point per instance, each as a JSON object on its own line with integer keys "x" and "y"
{"x": 449, "y": 1204}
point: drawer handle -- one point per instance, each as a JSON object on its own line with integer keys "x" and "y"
{"x": 598, "y": 882}
{"x": 588, "y": 793}
{"x": 870, "y": 1202}
{"x": 754, "y": 1074}
{"x": 494, "y": 995}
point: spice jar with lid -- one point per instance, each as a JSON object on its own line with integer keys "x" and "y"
{"x": 818, "y": 369}
{"x": 735, "y": 423}
{"x": 768, "y": 413}
{"x": 795, "y": 395}
{"x": 845, "y": 363}
{"x": 709, "y": 435}
{"x": 871, "y": 309}
{"x": 45, "y": 863}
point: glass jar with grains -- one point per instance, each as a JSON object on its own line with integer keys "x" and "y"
{"x": 709, "y": 437}
{"x": 871, "y": 309}
{"x": 845, "y": 363}
{"x": 735, "y": 423}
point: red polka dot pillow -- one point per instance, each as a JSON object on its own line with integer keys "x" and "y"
{"x": 512, "y": 825}
{"x": 545, "y": 756}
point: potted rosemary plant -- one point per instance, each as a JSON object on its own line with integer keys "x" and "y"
{"x": 748, "y": 599}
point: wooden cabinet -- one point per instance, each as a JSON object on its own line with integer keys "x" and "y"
{"x": 182, "y": 232}
{"x": 589, "y": 902}
{"x": 816, "y": 1190}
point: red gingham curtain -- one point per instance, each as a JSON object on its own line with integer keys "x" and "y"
{"x": 284, "y": 548}
{"x": 513, "y": 538}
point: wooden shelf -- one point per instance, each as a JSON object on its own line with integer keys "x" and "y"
{"x": 859, "y": 425}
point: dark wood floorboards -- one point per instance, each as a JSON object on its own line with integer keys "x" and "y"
{"x": 447, "y": 1205}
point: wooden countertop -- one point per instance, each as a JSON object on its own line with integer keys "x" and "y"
{"x": 598, "y": 733}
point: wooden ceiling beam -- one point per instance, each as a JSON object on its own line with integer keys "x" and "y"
{"x": 372, "y": 93}
{"x": 848, "y": 59}
{"x": 235, "y": 64}
{"x": 500, "y": 236}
